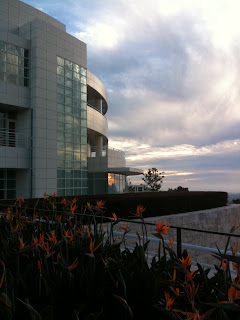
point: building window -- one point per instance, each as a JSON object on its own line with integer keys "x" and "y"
{"x": 116, "y": 183}
{"x": 14, "y": 64}
{"x": 71, "y": 129}
{"x": 7, "y": 184}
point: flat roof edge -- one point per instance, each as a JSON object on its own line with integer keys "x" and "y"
{"x": 127, "y": 171}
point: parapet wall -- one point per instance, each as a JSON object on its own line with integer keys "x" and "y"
{"x": 217, "y": 219}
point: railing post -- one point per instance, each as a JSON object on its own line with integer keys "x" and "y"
{"x": 179, "y": 242}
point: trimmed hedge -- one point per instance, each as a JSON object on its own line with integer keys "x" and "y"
{"x": 156, "y": 203}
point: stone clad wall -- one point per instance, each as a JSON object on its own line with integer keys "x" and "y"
{"x": 218, "y": 219}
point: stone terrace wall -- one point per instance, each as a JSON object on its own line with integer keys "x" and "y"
{"x": 218, "y": 219}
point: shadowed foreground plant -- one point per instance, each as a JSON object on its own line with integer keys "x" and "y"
{"x": 70, "y": 268}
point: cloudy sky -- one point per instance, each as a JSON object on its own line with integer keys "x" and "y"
{"x": 171, "y": 69}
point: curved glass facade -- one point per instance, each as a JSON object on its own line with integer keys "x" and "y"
{"x": 71, "y": 128}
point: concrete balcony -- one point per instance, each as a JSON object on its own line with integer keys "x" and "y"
{"x": 15, "y": 150}
{"x": 97, "y": 122}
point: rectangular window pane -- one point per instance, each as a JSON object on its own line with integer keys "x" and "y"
{"x": 84, "y": 88}
{"x": 68, "y": 64}
{"x": 20, "y": 52}
{"x": 60, "y": 79}
{"x": 76, "y": 76}
{"x": 77, "y": 174}
{"x": 12, "y": 58}
{"x": 60, "y": 173}
{"x": 60, "y": 71}
{"x": 77, "y": 183}
{"x": 68, "y": 109}
{"x": 69, "y": 146}
{"x": 76, "y": 139}
{"x": 60, "y": 145}
{"x": 68, "y": 91}
{"x": 60, "y": 135}
{"x": 69, "y": 137}
{"x": 83, "y": 80}
{"x": 61, "y": 183}
{"x": 60, "y": 117}
{"x": 26, "y": 53}
{"x": 76, "y": 94}
{"x": 60, "y": 108}
{"x": 26, "y": 63}
{"x": 84, "y": 131}
{"x": 84, "y": 71}
{"x": 76, "y": 85}
{"x": 68, "y": 119}
{"x": 12, "y": 49}
{"x": 12, "y": 69}
{"x": 68, "y": 73}
{"x": 84, "y": 105}
{"x": 76, "y": 68}
{"x": 69, "y": 174}
{"x": 60, "y": 89}
{"x": 68, "y": 100}
{"x": 60, "y": 126}
{"x": 26, "y": 73}
{"x": 60, "y": 61}
{"x": 84, "y": 114}
{"x": 21, "y": 61}
{"x": 83, "y": 97}
{"x": 60, "y": 98}
{"x": 77, "y": 165}
{"x": 76, "y": 103}
{"x": 21, "y": 72}
{"x": 11, "y": 194}
{"x": 69, "y": 192}
{"x": 68, "y": 127}
{"x": 68, "y": 83}
{"x": 11, "y": 184}
{"x": 3, "y": 56}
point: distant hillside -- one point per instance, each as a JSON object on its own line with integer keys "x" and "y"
{"x": 233, "y": 196}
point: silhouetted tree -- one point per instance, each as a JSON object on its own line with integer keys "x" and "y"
{"x": 180, "y": 188}
{"x": 153, "y": 179}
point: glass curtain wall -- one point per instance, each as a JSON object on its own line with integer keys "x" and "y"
{"x": 116, "y": 183}
{"x": 71, "y": 128}
{"x": 14, "y": 64}
{"x": 7, "y": 184}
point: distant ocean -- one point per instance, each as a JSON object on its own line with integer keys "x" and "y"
{"x": 233, "y": 196}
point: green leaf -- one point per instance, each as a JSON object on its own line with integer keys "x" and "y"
{"x": 33, "y": 312}
{"x": 226, "y": 306}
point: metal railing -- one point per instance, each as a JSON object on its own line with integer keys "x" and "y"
{"x": 118, "y": 150}
{"x": 179, "y": 230}
{"x": 98, "y": 151}
{"x": 91, "y": 106}
{"x": 101, "y": 151}
{"x": 13, "y": 139}
{"x": 179, "y": 244}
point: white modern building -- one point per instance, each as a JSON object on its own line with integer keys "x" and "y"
{"x": 53, "y": 129}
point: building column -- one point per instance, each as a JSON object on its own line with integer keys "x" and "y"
{"x": 99, "y": 105}
{"x": 99, "y": 146}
